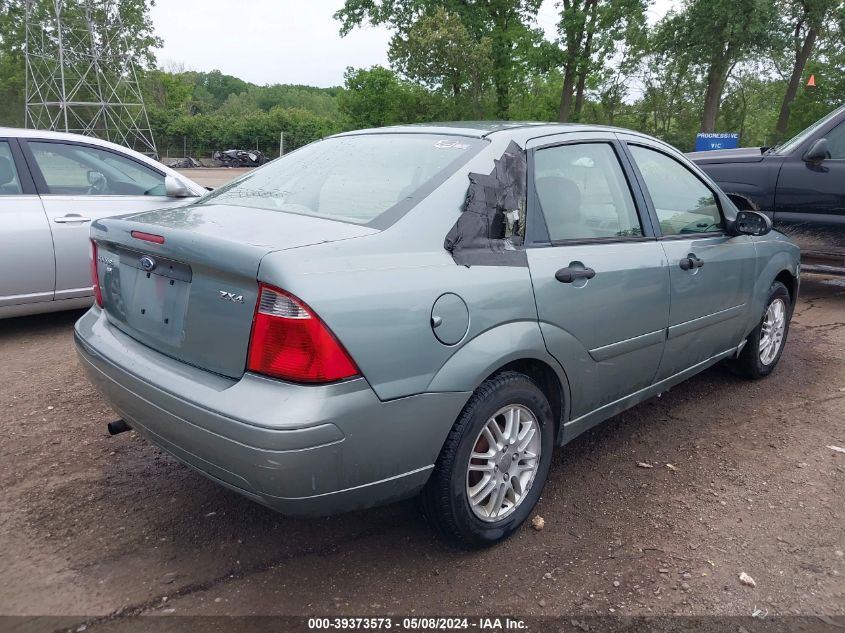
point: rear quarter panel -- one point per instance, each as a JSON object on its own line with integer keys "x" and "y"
{"x": 380, "y": 308}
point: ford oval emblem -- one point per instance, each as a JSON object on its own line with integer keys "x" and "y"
{"x": 147, "y": 263}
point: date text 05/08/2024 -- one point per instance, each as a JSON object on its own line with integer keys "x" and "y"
{"x": 417, "y": 623}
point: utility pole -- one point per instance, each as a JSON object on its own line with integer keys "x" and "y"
{"x": 79, "y": 77}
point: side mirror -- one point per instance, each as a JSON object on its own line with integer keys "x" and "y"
{"x": 818, "y": 152}
{"x": 97, "y": 180}
{"x": 751, "y": 223}
{"x": 175, "y": 188}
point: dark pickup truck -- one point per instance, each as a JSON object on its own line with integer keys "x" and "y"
{"x": 800, "y": 185}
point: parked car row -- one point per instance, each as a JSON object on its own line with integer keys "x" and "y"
{"x": 422, "y": 310}
{"x": 52, "y": 187}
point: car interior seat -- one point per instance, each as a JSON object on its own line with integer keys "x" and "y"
{"x": 560, "y": 199}
{"x": 8, "y": 181}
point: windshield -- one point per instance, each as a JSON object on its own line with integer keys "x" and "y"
{"x": 357, "y": 178}
{"x": 799, "y": 138}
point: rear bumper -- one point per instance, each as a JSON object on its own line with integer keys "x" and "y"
{"x": 303, "y": 450}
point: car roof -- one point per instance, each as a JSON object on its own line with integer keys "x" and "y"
{"x": 16, "y": 132}
{"x": 482, "y": 129}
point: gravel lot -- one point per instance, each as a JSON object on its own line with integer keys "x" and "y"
{"x": 93, "y": 525}
{"x": 109, "y": 528}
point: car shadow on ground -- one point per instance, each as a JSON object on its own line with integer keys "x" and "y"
{"x": 38, "y": 324}
{"x": 156, "y": 505}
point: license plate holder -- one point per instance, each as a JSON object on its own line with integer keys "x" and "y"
{"x": 152, "y": 303}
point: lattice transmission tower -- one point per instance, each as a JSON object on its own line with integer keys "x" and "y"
{"x": 80, "y": 75}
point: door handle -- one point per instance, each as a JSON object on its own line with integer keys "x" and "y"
{"x": 70, "y": 217}
{"x": 691, "y": 261}
{"x": 569, "y": 274}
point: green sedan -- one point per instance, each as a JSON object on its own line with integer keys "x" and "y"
{"x": 427, "y": 310}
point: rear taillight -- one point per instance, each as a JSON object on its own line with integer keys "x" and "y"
{"x": 289, "y": 341}
{"x": 95, "y": 275}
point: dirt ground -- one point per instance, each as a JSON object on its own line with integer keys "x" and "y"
{"x": 93, "y": 525}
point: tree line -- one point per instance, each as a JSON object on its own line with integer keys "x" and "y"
{"x": 707, "y": 65}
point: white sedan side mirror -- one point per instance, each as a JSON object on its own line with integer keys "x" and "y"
{"x": 175, "y": 188}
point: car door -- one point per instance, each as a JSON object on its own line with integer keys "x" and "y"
{"x": 80, "y": 183}
{"x": 712, "y": 273}
{"x": 27, "y": 264}
{"x": 600, "y": 277}
{"x": 810, "y": 198}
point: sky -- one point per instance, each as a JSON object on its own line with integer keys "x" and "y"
{"x": 283, "y": 41}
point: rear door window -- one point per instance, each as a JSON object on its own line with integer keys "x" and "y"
{"x": 583, "y": 193}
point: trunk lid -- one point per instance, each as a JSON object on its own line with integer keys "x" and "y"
{"x": 193, "y": 296}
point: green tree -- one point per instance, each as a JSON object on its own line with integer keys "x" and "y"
{"x": 166, "y": 91}
{"x": 802, "y": 21}
{"x": 211, "y": 89}
{"x": 320, "y": 101}
{"x": 439, "y": 53}
{"x": 713, "y": 36}
{"x": 538, "y": 98}
{"x": 749, "y": 104}
{"x": 376, "y": 96}
{"x": 11, "y": 90}
{"x": 504, "y": 22}
{"x": 372, "y": 97}
{"x": 669, "y": 103}
{"x": 590, "y": 31}
{"x": 813, "y": 102}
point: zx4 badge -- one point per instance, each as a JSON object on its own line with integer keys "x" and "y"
{"x": 231, "y": 296}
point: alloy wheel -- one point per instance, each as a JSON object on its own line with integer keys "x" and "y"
{"x": 504, "y": 461}
{"x": 771, "y": 334}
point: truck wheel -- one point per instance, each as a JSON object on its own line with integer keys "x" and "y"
{"x": 494, "y": 463}
{"x": 766, "y": 342}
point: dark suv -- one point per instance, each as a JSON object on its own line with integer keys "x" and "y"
{"x": 800, "y": 185}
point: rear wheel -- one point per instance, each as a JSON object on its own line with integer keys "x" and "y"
{"x": 766, "y": 342}
{"x": 493, "y": 466}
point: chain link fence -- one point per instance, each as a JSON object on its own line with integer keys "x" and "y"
{"x": 203, "y": 152}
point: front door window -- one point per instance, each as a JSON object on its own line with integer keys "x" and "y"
{"x": 683, "y": 203}
{"x": 70, "y": 169}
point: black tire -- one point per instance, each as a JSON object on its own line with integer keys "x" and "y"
{"x": 444, "y": 500}
{"x": 749, "y": 363}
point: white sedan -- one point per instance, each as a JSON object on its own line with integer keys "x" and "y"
{"x": 52, "y": 186}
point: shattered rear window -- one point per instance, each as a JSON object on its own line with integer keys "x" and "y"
{"x": 358, "y": 178}
{"x": 491, "y": 228}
